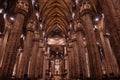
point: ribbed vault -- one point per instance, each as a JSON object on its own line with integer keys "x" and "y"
{"x": 55, "y": 15}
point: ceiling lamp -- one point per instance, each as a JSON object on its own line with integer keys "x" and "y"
{"x": 97, "y": 19}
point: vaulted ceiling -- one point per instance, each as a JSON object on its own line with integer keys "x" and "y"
{"x": 56, "y": 16}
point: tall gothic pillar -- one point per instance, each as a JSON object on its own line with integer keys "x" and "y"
{"x": 4, "y": 40}
{"x": 111, "y": 64}
{"x": 94, "y": 57}
{"x": 23, "y": 69}
{"x": 76, "y": 56}
{"x": 71, "y": 58}
{"x": 33, "y": 57}
{"x": 66, "y": 67}
{"x": 112, "y": 24}
{"x": 14, "y": 39}
{"x": 78, "y": 27}
{"x": 45, "y": 67}
{"x": 69, "y": 63}
{"x": 39, "y": 63}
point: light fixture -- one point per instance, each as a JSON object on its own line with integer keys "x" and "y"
{"x": 97, "y": 19}
{"x": 12, "y": 18}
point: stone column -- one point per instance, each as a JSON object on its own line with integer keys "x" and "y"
{"x": 76, "y": 56}
{"x": 81, "y": 43}
{"x": 71, "y": 61}
{"x": 112, "y": 25}
{"x": 23, "y": 69}
{"x": 114, "y": 8}
{"x": 67, "y": 65}
{"x": 39, "y": 63}
{"x": 4, "y": 40}
{"x": 78, "y": 27}
{"x": 45, "y": 66}
{"x": 112, "y": 59}
{"x": 94, "y": 57}
{"x": 112, "y": 66}
{"x": 1, "y": 42}
{"x": 14, "y": 38}
{"x": 16, "y": 62}
{"x": 33, "y": 57}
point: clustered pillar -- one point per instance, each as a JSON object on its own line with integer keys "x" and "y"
{"x": 14, "y": 38}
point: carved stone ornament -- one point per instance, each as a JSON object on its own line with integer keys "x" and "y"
{"x": 31, "y": 25}
{"x": 23, "y": 5}
{"x": 78, "y": 26}
{"x": 85, "y": 6}
{"x": 36, "y": 36}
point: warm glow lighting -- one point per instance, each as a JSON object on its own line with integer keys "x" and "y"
{"x": 12, "y": 18}
{"x": 56, "y": 41}
{"x": 97, "y": 19}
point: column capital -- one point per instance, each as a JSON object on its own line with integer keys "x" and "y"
{"x": 31, "y": 25}
{"x": 22, "y": 7}
{"x": 73, "y": 37}
{"x": 86, "y": 8}
{"x": 78, "y": 26}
